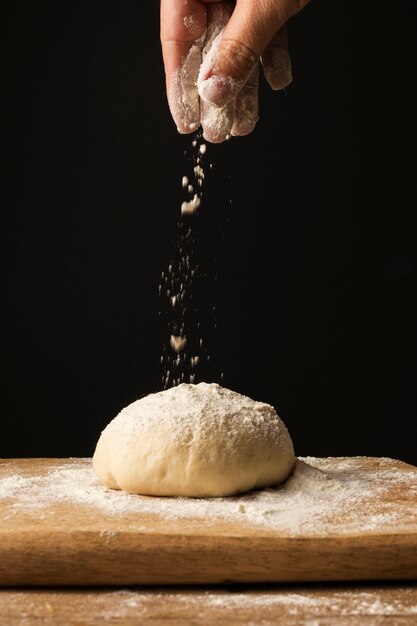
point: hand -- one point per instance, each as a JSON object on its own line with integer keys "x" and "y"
{"x": 212, "y": 50}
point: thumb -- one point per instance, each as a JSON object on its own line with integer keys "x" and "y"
{"x": 235, "y": 52}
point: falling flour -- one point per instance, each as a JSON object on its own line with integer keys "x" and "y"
{"x": 191, "y": 206}
{"x": 184, "y": 348}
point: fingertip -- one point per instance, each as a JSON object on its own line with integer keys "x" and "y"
{"x": 186, "y": 130}
{"x": 213, "y": 135}
{"x": 182, "y": 92}
{"x": 243, "y": 128}
{"x": 216, "y": 123}
{"x": 185, "y": 111}
{"x": 277, "y": 67}
{"x": 208, "y": 136}
{"x": 278, "y": 81}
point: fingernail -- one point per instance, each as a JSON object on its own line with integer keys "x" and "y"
{"x": 217, "y": 90}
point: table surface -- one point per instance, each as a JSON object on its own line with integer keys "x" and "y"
{"x": 330, "y": 605}
{"x": 333, "y": 520}
{"x": 366, "y": 604}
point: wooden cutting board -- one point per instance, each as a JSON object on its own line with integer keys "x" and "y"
{"x": 335, "y": 519}
{"x": 270, "y": 605}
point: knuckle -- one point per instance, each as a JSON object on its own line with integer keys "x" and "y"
{"x": 237, "y": 57}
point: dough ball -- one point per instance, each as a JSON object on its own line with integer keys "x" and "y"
{"x": 194, "y": 440}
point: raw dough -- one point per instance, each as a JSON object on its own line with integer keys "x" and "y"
{"x": 194, "y": 440}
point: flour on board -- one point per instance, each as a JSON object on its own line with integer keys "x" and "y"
{"x": 323, "y": 496}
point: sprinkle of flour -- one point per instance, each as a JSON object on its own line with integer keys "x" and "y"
{"x": 323, "y": 496}
{"x": 199, "y": 174}
{"x": 176, "y": 287}
{"x": 177, "y": 283}
{"x": 178, "y": 343}
{"x": 191, "y": 206}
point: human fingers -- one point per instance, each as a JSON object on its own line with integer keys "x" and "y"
{"x": 276, "y": 61}
{"x": 216, "y": 122}
{"x": 244, "y": 39}
{"x": 246, "y": 106}
{"x": 183, "y": 26}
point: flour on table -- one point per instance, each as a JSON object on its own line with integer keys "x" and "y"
{"x": 310, "y": 605}
{"x": 323, "y": 496}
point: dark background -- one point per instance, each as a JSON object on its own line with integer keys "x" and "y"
{"x": 315, "y": 256}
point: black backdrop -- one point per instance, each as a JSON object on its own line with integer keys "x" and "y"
{"x": 315, "y": 255}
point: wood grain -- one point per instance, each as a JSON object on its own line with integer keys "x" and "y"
{"x": 386, "y": 605}
{"x": 80, "y": 545}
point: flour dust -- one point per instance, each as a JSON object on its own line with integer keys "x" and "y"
{"x": 187, "y": 315}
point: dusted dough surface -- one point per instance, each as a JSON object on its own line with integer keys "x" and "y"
{"x": 194, "y": 440}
